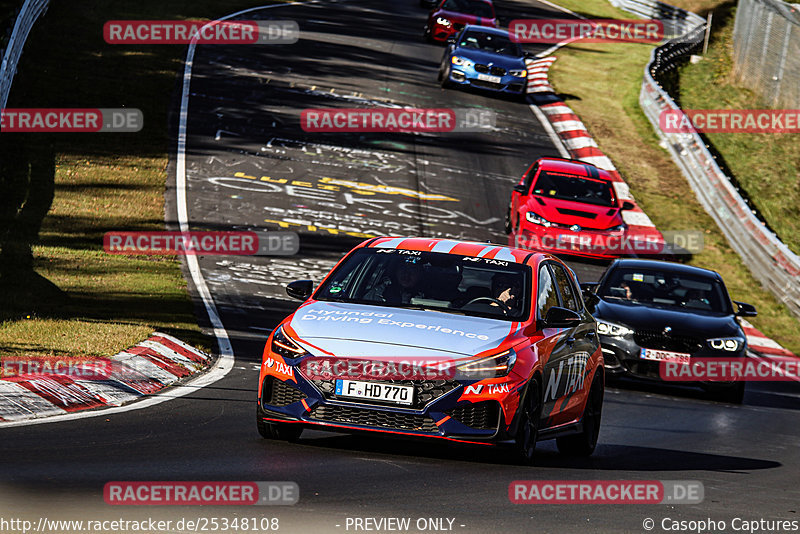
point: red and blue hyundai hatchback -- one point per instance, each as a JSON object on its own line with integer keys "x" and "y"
{"x": 570, "y": 207}
{"x": 458, "y": 341}
{"x": 451, "y": 16}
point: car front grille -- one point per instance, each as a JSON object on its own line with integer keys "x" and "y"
{"x": 655, "y": 339}
{"x": 360, "y": 416}
{"x": 486, "y": 69}
{"x": 479, "y": 415}
{"x": 278, "y": 393}
{"x": 425, "y": 391}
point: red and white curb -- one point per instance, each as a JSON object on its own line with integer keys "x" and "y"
{"x": 144, "y": 369}
{"x": 760, "y": 343}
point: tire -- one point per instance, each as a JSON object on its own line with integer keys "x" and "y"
{"x": 444, "y": 77}
{"x": 733, "y": 394}
{"x": 583, "y": 444}
{"x": 280, "y": 431}
{"x": 507, "y": 224}
{"x": 528, "y": 427}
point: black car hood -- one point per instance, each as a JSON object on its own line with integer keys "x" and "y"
{"x": 643, "y": 317}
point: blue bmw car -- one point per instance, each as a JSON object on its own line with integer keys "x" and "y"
{"x": 485, "y": 58}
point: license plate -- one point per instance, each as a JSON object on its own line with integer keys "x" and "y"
{"x": 665, "y": 356}
{"x": 489, "y": 78}
{"x": 375, "y": 391}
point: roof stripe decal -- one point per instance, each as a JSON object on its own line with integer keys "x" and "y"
{"x": 392, "y": 243}
{"x": 444, "y": 246}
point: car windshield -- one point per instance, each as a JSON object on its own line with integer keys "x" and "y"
{"x": 666, "y": 289}
{"x": 430, "y": 280}
{"x": 470, "y": 7}
{"x": 576, "y": 188}
{"x": 489, "y": 42}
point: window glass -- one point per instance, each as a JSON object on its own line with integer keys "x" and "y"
{"x": 548, "y": 294}
{"x": 568, "y": 297}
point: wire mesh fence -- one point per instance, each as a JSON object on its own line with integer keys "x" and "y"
{"x": 766, "y": 50}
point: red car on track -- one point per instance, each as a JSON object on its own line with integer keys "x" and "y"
{"x": 450, "y": 17}
{"x": 568, "y": 207}
{"x": 510, "y": 324}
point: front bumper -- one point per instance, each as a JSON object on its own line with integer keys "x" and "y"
{"x": 436, "y": 412}
{"x": 622, "y": 356}
{"x": 596, "y": 244}
{"x": 467, "y": 75}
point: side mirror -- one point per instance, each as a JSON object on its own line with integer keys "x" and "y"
{"x": 558, "y": 317}
{"x": 627, "y": 205}
{"x": 521, "y": 189}
{"x": 300, "y": 289}
{"x": 588, "y": 290}
{"x": 745, "y": 309}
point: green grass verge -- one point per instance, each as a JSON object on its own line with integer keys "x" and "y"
{"x": 102, "y": 303}
{"x": 601, "y": 82}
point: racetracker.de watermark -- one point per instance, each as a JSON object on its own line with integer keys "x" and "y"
{"x": 76, "y": 120}
{"x": 592, "y": 242}
{"x": 403, "y": 120}
{"x": 244, "y": 243}
{"x": 201, "y": 493}
{"x": 389, "y": 368}
{"x": 730, "y": 120}
{"x": 606, "y": 492}
{"x": 214, "y": 32}
{"x": 76, "y": 368}
{"x": 552, "y": 31}
{"x": 772, "y": 369}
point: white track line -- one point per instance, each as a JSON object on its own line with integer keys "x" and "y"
{"x": 225, "y": 362}
{"x": 554, "y": 137}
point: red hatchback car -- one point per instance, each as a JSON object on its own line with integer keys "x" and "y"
{"x": 450, "y": 17}
{"x": 567, "y": 207}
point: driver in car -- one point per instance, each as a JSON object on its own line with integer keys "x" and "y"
{"x": 507, "y": 289}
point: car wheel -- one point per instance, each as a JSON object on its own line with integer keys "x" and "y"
{"x": 528, "y": 428}
{"x": 733, "y": 394}
{"x": 583, "y": 444}
{"x": 507, "y": 224}
{"x": 281, "y": 431}
{"x": 444, "y": 77}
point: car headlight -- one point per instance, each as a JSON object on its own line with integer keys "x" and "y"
{"x": 618, "y": 228}
{"x": 730, "y": 344}
{"x": 536, "y": 219}
{"x": 443, "y": 21}
{"x": 519, "y": 73}
{"x": 490, "y": 366}
{"x": 461, "y": 61}
{"x": 286, "y": 346}
{"x": 612, "y": 329}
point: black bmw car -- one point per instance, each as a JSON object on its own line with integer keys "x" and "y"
{"x": 652, "y": 311}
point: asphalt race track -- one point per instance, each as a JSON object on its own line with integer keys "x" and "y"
{"x": 250, "y": 166}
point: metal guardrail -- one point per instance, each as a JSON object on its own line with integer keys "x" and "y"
{"x": 769, "y": 259}
{"x": 676, "y": 21}
{"x": 30, "y": 12}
